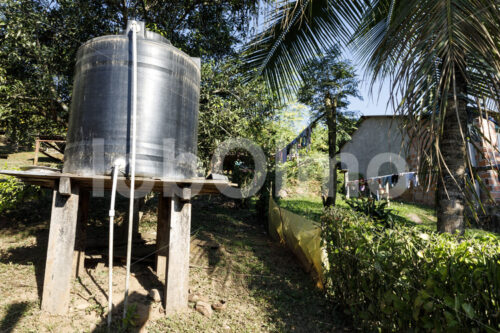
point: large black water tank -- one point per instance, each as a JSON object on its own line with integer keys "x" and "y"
{"x": 168, "y": 91}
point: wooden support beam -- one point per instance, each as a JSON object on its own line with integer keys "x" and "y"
{"x": 162, "y": 229}
{"x": 185, "y": 194}
{"x": 65, "y": 186}
{"x": 177, "y": 270}
{"x": 60, "y": 250}
{"x": 50, "y": 156}
{"x": 53, "y": 146}
{"x": 37, "y": 149}
{"x": 81, "y": 234}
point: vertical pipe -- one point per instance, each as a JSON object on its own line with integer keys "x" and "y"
{"x": 116, "y": 169}
{"x": 346, "y": 180}
{"x": 387, "y": 192}
{"x": 135, "y": 28}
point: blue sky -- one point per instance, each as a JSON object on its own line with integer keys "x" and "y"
{"x": 372, "y": 104}
{"x": 375, "y": 104}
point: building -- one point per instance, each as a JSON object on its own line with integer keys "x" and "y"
{"x": 379, "y": 141}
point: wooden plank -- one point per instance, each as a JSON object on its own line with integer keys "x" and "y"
{"x": 185, "y": 194}
{"x": 198, "y": 186}
{"x": 58, "y": 267}
{"x": 37, "y": 149}
{"x": 50, "y": 156}
{"x": 81, "y": 234}
{"x": 177, "y": 272}
{"x": 65, "y": 186}
{"x": 56, "y": 148}
{"x": 162, "y": 228}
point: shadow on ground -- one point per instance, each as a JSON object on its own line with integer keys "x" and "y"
{"x": 14, "y": 313}
{"x": 232, "y": 258}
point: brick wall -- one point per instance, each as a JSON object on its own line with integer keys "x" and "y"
{"x": 487, "y": 156}
{"x": 422, "y": 194}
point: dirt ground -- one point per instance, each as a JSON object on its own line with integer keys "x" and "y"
{"x": 232, "y": 259}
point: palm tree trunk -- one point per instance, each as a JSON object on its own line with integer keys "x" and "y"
{"x": 451, "y": 184}
{"x": 331, "y": 122}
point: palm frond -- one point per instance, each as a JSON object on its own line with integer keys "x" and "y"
{"x": 426, "y": 47}
{"x": 296, "y": 32}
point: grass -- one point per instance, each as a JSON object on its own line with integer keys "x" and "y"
{"x": 232, "y": 259}
{"x": 422, "y": 216}
{"x": 312, "y": 208}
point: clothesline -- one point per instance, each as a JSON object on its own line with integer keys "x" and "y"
{"x": 301, "y": 141}
{"x": 392, "y": 180}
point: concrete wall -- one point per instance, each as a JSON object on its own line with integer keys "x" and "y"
{"x": 381, "y": 134}
{"x": 375, "y": 135}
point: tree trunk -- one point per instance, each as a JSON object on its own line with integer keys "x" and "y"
{"x": 331, "y": 122}
{"x": 451, "y": 184}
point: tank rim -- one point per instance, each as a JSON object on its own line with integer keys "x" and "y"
{"x": 169, "y": 45}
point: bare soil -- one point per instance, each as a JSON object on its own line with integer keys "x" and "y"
{"x": 232, "y": 259}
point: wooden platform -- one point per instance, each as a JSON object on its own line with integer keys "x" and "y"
{"x": 46, "y": 178}
{"x": 67, "y": 233}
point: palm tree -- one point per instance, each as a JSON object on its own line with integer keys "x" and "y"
{"x": 298, "y": 31}
{"x": 438, "y": 54}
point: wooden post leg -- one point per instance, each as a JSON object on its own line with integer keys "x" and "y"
{"x": 162, "y": 229}
{"x": 177, "y": 271}
{"x": 37, "y": 149}
{"x": 58, "y": 268}
{"x": 81, "y": 234}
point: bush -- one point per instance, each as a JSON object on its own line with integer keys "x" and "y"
{"x": 408, "y": 279}
{"x": 13, "y": 192}
{"x": 378, "y": 211}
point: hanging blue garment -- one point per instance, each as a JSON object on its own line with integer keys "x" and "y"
{"x": 386, "y": 180}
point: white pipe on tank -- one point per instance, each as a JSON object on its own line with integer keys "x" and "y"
{"x": 119, "y": 163}
{"x": 135, "y": 28}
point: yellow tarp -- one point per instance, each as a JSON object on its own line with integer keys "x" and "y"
{"x": 300, "y": 235}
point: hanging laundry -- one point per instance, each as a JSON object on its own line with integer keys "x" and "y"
{"x": 303, "y": 140}
{"x": 414, "y": 179}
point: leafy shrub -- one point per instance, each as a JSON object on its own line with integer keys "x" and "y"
{"x": 13, "y": 191}
{"x": 377, "y": 210}
{"x": 408, "y": 279}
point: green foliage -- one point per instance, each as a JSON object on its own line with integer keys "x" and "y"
{"x": 39, "y": 40}
{"x": 12, "y": 192}
{"x": 37, "y": 55}
{"x": 130, "y": 319}
{"x": 229, "y": 109}
{"x": 340, "y": 182}
{"x": 295, "y": 32}
{"x": 407, "y": 279}
{"x": 377, "y": 210}
{"x": 331, "y": 77}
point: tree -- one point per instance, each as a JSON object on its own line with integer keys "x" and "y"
{"x": 210, "y": 29}
{"x": 39, "y": 40}
{"x": 438, "y": 54}
{"x": 229, "y": 109}
{"x": 441, "y": 55}
{"x": 37, "y": 54}
{"x": 327, "y": 83}
{"x": 298, "y": 31}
